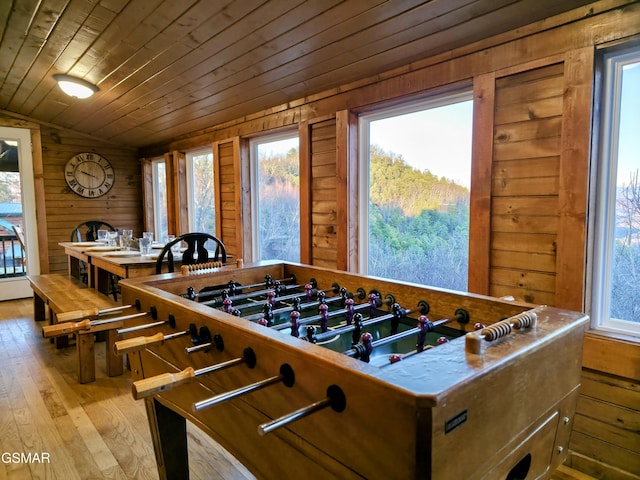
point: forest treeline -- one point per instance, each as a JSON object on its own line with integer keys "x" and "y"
{"x": 418, "y": 222}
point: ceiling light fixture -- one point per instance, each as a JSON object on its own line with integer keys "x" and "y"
{"x": 75, "y": 87}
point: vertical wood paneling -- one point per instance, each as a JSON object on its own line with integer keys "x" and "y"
{"x": 347, "y": 190}
{"x": 524, "y": 205}
{"x": 480, "y": 202}
{"x": 147, "y": 194}
{"x": 228, "y": 195}
{"x": 574, "y": 178}
{"x": 304, "y": 155}
{"x": 121, "y": 207}
{"x": 324, "y": 194}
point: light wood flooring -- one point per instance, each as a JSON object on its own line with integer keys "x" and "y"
{"x": 90, "y": 431}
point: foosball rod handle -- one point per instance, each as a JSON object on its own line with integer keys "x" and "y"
{"x": 474, "y": 340}
{"x": 335, "y": 399}
{"x": 135, "y": 344}
{"x": 65, "y": 328}
{"x": 166, "y": 381}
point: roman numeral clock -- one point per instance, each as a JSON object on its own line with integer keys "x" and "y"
{"x": 89, "y": 175}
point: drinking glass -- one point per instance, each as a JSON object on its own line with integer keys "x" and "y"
{"x": 125, "y": 239}
{"x": 145, "y": 246}
{"x": 145, "y": 243}
{"x": 102, "y": 236}
{"x": 112, "y": 237}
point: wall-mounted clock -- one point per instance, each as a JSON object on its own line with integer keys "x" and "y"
{"x": 89, "y": 175}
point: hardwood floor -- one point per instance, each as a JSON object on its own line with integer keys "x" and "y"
{"x": 90, "y": 431}
{"x": 94, "y": 430}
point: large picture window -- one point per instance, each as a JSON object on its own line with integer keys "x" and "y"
{"x": 416, "y": 174}
{"x": 159, "y": 182}
{"x": 615, "y": 302}
{"x": 275, "y": 176}
{"x": 200, "y": 185}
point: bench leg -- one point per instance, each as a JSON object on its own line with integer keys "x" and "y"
{"x": 85, "y": 346}
{"x": 39, "y": 308}
{"x": 63, "y": 340}
{"x": 114, "y": 362}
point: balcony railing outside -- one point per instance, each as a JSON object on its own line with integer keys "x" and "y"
{"x": 11, "y": 257}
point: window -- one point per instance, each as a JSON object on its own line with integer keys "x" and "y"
{"x": 276, "y": 207}
{"x": 416, "y": 173}
{"x": 615, "y": 297}
{"x": 160, "y": 218}
{"x": 200, "y": 185}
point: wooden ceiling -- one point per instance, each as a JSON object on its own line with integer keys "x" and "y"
{"x": 169, "y": 67}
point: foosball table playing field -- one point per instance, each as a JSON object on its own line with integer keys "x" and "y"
{"x": 300, "y": 370}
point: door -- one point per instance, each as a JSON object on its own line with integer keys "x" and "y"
{"x": 17, "y": 207}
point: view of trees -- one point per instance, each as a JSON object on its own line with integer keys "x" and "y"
{"x": 418, "y": 224}
{"x": 204, "y": 213}
{"x": 10, "y": 187}
{"x": 625, "y": 272}
{"x": 279, "y": 205}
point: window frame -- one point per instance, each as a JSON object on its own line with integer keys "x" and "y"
{"x": 599, "y": 291}
{"x": 364, "y": 187}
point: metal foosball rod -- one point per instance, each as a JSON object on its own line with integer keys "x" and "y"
{"x": 364, "y": 349}
{"x": 335, "y": 399}
{"x": 66, "y": 328}
{"x": 232, "y": 285}
{"x": 286, "y": 376}
{"x": 298, "y": 305}
{"x": 166, "y": 381}
{"x": 278, "y": 289}
{"x": 397, "y": 312}
{"x": 201, "y": 340}
{"x": 171, "y": 321}
{"x": 350, "y": 311}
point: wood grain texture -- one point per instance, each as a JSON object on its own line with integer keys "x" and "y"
{"x": 89, "y": 431}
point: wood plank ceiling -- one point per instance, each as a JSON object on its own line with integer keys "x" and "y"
{"x": 169, "y": 67}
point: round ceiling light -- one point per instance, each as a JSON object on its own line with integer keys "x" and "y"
{"x": 75, "y": 87}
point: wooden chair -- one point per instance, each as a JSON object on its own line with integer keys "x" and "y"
{"x": 196, "y": 242}
{"x": 88, "y": 232}
{"x": 20, "y": 235}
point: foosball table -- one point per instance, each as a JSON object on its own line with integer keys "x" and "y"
{"x": 299, "y": 370}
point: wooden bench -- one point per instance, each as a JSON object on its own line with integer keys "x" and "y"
{"x": 55, "y": 294}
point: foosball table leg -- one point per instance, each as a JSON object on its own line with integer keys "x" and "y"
{"x": 85, "y": 347}
{"x": 115, "y": 365}
{"x": 169, "y": 435}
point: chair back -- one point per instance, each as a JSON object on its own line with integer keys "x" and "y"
{"x": 196, "y": 244}
{"x": 88, "y": 231}
{"x": 20, "y": 235}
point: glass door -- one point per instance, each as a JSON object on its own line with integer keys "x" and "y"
{"x": 18, "y": 257}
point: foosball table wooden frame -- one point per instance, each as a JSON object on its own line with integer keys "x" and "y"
{"x": 469, "y": 408}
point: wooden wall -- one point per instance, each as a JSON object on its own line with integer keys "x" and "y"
{"x": 533, "y": 113}
{"x": 58, "y": 209}
{"x": 121, "y": 207}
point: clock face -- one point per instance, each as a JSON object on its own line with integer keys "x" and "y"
{"x": 89, "y": 175}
